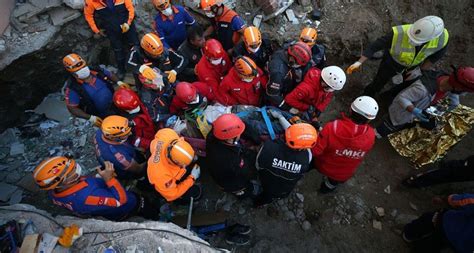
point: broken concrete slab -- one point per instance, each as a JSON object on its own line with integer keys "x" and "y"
{"x": 5, "y": 12}
{"x": 62, "y": 15}
{"x": 28, "y": 183}
{"x": 54, "y": 108}
{"x": 75, "y": 4}
{"x": 17, "y": 148}
{"x": 290, "y": 15}
{"x": 46, "y": 4}
{"x": 6, "y": 191}
{"x": 16, "y": 197}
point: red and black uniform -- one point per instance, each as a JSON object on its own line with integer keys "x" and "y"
{"x": 234, "y": 91}
{"x": 178, "y": 106}
{"x": 227, "y": 27}
{"x": 213, "y": 74}
{"x": 309, "y": 93}
{"x": 341, "y": 147}
{"x": 143, "y": 128}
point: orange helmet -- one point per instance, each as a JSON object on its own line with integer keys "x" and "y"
{"x": 161, "y": 4}
{"x": 73, "y": 62}
{"x": 52, "y": 171}
{"x": 207, "y": 4}
{"x": 309, "y": 35}
{"x": 245, "y": 67}
{"x": 152, "y": 45}
{"x": 301, "y": 136}
{"x": 252, "y": 38}
{"x": 227, "y": 126}
{"x": 116, "y": 128}
{"x": 180, "y": 152}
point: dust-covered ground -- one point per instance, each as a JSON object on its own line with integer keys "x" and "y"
{"x": 341, "y": 221}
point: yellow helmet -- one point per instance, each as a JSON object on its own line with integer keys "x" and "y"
{"x": 52, "y": 171}
{"x": 309, "y": 35}
{"x": 252, "y": 38}
{"x": 180, "y": 152}
{"x": 116, "y": 128}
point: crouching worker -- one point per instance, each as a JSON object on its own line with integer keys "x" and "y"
{"x": 112, "y": 144}
{"x": 343, "y": 143}
{"x": 281, "y": 164}
{"x": 167, "y": 172}
{"x": 229, "y": 162}
{"x": 90, "y": 196}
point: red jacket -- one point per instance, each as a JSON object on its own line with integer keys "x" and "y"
{"x": 213, "y": 74}
{"x": 341, "y": 147}
{"x": 178, "y": 106}
{"x": 144, "y": 129}
{"x": 309, "y": 92}
{"x": 234, "y": 91}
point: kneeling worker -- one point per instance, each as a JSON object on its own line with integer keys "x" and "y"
{"x": 167, "y": 171}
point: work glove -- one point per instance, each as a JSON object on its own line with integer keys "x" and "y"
{"x": 147, "y": 72}
{"x": 354, "y": 67}
{"x": 125, "y": 27}
{"x": 294, "y": 111}
{"x": 123, "y": 85}
{"x": 96, "y": 121}
{"x": 171, "y": 76}
{"x": 419, "y": 114}
{"x": 275, "y": 114}
{"x": 196, "y": 172}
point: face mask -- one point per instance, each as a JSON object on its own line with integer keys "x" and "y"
{"x": 254, "y": 50}
{"x": 295, "y": 66}
{"x": 195, "y": 101}
{"x": 83, "y": 73}
{"x": 247, "y": 80}
{"x": 136, "y": 110}
{"x": 78, "y": 169}
{"x": 210, "y": 14}
{"x": 167, "y": 12}
{"x": 216, "y": 62}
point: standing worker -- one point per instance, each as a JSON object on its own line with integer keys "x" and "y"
{"x": 226, "y": 23}
{"x": 170, "y": 155}
{"x": 282, "y": 163}
{"x": 171, "y": 23}
{"x": 254, "y": 46}
{"x": 215, "y": 64}
{"x": 343, "y": 143}
{"x": 113, "y": 19}
{"x": 405, "y": 48}
{"x": 309, "y": 36}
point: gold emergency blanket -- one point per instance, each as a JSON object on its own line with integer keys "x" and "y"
{"x": 423, "y": 146}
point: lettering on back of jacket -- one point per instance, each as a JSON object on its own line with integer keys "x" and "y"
{"x": 286, "y": 166}
{"x": 159, "y": 146}
{"x": 349, "y": 153}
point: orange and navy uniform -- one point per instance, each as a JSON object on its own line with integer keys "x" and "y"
{"x": 95, "y": 197}
{"x": 228, "y": 27}
{"x": 99, "y": 16}
{"x": 165, "y": 176}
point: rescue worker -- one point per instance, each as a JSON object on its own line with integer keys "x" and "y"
{"x": 410, "y": 104}
{"x": 167, "y": 171}
{"x": 314, "y": 94}
{"x": 287, "y": 68}
{"x": 282, "y": 163}
{"x": 190, "y": 95}
{"x": 450, "y": 227}
{"x": 90, "y": 196}
{"x": 191, "y": 49}
{"x": 215, "y": 64}
{"x": 243, "y": 85}
{"x": 152, "y": 53}
{"x": 114, "y": 20}
{"x": 89, "y": 91}
{"x": 171, "y": 23}
{"x": 228, "y": 161}
{"x": 405, "y": 48}
{"x": 143, "y": 129}
{"x": 112, "y": 144}
{"x": 309, "y": 36}
{"x": 226, "y": 23}
{"x": 254, "y": 46}
{"x": 343, "y": 143}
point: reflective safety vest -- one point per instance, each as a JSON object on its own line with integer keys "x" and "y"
{"x": 405, "y": 54}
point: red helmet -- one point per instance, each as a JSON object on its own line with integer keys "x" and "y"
{"x": 126, "y": 99}
{"x": 301, "y": 52}
{"x": 462, "y": 79}
{"x": 213, "y": 49}
{"x": 186, "y": 92}
{"x": 228, "y": 126}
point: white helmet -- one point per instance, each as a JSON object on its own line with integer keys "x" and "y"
{"x": 334, "y": 77}
{"x": 426, "y": 29}
{"x": 365, "y": 106}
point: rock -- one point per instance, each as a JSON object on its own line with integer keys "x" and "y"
{"x": 17, "y": 148}
{"x": 9, "y": 136}
{"x": 242, "y": 210}
{"x": 413, "y": 206}
{"x": 360, "y": 217}
{"x": 290, "y": 15}
{"x": 403, "y": 219}
{"x": 54, "y": 108}
{"x": 28, "y": 183}
{"x": 394, "y": 213}
{"x": 380, "y": 211}
{"x": 75, "y": 4}
{"x": 387, "y": 189}
{"x": 8, "y": 31}
{"x": 13, "y": 177}
{"x": 289, "y": 215}
{"x": 45, "y": 4}
{"x": 3, "y": 46}
{"x": 300, "y": 197}
{"x": 62, "y": 15}
{"x": 306, "y": 225}
{"x": 6, "y": 191}
{"x": 16, "y": 197}
{"x": 377, "y": 224}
